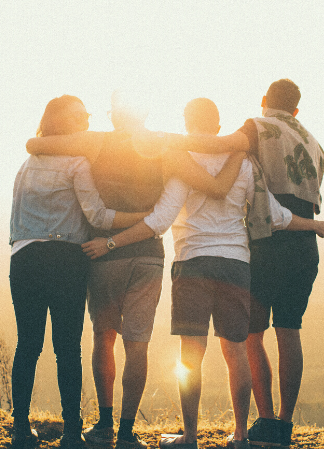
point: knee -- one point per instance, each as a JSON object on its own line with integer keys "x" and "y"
{"x": 104, "y": 340}
{"x": 29, "y": 350}
{"x": 136, "y": 352}
{"x": 193, "y": 350}
{"x": 67, "y": 351}
{"x": 254, "y": 341}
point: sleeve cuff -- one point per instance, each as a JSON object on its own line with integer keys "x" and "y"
{"x": 109, "y": 219}
{"x": 151, "y": 222}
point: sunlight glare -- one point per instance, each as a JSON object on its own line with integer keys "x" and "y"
{"x": 181, "y": 371}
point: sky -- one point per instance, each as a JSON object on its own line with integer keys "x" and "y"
{"x": 166, "y": 52}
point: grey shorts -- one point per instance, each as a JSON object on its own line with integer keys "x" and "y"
{"x": 211, "y": 286}
{"x": 124, "y": 294}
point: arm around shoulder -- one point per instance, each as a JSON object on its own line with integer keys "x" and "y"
{"x": 204, "y": 143}
{"x": 87, "y": 143}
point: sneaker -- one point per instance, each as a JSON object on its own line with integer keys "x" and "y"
{"x": 72, "y": 437}
{"x": 265, "y": 432}
{"x": 99, "y": 434}
{"x": 237, "y": 444}
{"x": 133, "y": 443}
{"x": 23, "y": 434}
{"x": 170, "y": 443}
{"x": 285, "y": 432}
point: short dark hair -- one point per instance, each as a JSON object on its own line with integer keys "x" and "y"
{"x": 283, "y": 95}
{"x": 201, "y": 114}
{"x": 54, "y": 108}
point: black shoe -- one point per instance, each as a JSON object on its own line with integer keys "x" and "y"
{"x": 265, "y": 432}
{"x": 72, "y": 437}
{"x": 285, "y": 432}
{"x": 23, "y": 435}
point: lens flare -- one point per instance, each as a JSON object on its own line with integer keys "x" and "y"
{"x": 181, "y": 371}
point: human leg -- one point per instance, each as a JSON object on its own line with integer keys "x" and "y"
{"x": 28, "y": 282}
{"x": 193, "y": 349}
{"x": 192, "y": 353}
{"x": 290, "y": 370}
{"x": 138, "y": 307}
{"x": 67, "y": 306}
{"x": 103, "y": 366}
{"x": 235, "y": 355}
{"x": 261, "y": 375}
{"x": 104, "y": 373}
{"x": 30, "y": 304}
{"x": 211, "y": 285}
{"x": 282, "y": 277}
{"x": 134, "y": 377}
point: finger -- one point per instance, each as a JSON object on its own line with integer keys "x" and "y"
{"x": 95, "y": 256}
{"x": 89, "y": 253}
{"x": 87, "y": 245}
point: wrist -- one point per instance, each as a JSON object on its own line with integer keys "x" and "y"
{"x": 111, "y": 244}
{"x": 314, "y": 226}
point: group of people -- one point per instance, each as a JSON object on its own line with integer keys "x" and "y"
{"x": 89, "y": 209}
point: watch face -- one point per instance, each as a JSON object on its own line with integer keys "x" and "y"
{"x": 111, "y": 244}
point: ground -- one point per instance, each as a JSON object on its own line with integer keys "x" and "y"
{"x": 210, "y": 436}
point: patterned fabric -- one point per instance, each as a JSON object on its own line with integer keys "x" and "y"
{"x": 292, "y": 161}
{"x": 258, "y": 216}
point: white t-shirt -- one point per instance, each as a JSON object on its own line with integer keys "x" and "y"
{"x": 203, "y": 226}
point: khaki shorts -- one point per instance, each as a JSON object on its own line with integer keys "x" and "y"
{"x": 124, "y": 294}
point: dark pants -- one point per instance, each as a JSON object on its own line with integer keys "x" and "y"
{"x": 48, "y": 275}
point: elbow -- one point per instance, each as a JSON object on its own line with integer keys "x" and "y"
{"x": 29, "y": 147}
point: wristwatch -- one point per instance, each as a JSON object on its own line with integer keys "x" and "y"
{"x": 110, "y": 244}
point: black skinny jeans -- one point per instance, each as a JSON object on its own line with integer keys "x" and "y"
{"x": 48, "y": 275}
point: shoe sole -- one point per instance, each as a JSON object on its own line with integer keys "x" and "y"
{"x": 123, "y": 444}
{"x": 265, "y": 444}
{"x": 99, "y": 441}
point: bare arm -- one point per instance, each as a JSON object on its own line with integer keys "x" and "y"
{"x": 164, "y": 214}
{"x": 87, "y": 143}
{"x": 306, "y": 224}
{"x": 203, "y": 143}
{"x": 181, "y": 164}
{"x": 128, "y": 219}
{"x": 98, "y": 247}
{"x": 198, "y": 143}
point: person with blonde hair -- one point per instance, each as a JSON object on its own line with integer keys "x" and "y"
{"x": 125, "y": 284}
{"x": 54, "y": 200}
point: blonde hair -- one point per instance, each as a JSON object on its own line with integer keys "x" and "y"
{"x": 53, "y": 110}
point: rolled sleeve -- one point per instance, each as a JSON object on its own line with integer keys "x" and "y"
{"x": 280, "y": 216}
{"x": 168, "y": 206}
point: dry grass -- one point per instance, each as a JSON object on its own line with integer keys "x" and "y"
{"x": 210, "y": 435}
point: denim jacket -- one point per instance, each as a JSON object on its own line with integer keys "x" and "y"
{"x": 54, "y": 199}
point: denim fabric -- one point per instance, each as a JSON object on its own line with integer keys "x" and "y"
{"x": 49, "y": 276}
{"x": 54, "y": 196}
